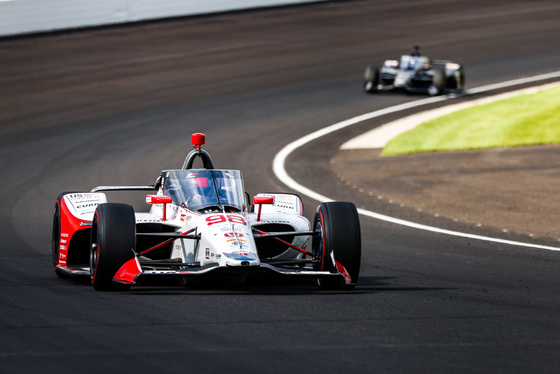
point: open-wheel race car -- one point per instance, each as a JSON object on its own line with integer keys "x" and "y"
{"x": 200, "y": 225}
{"x": 416, "y": 73}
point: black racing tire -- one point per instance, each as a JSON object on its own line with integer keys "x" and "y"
{"x": 113, "y": 242}
{"x": 337, "y": 228}
{"x": 461, "y": 82}
{"x": 456, "y": 81}
{"x": 371, "y": 79}
{"x": 439, "y": 81}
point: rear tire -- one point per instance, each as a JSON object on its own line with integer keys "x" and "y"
{"x": 113, "y": 242}
{"x": 460, "y": 83}
{"x": 337, "y": 228}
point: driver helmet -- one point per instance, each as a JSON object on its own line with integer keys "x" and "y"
{"x": 203, "y": 186}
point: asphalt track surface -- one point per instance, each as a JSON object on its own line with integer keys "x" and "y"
{"x": 117, "y": 105}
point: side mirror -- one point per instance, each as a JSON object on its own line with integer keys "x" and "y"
{"x": 260, "y": 200}
{"x": 160, "y": 199}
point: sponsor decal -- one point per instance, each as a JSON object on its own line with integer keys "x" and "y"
{"x": 235, "y": 241}
{"x": 85, "y": 206}
{"x": 84, "y": 195}
{"x": 63, "y": 235}
{"x": 234, "y": 228}
{"x": 86, "y": 223}
{"x": 285, "y": 203}
{"x": 275, "y": 221}
{"x": 63, "y": 241}
{"x": 233, "y": 235}
{"x": 85, "y": 203}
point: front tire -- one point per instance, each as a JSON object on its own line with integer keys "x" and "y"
{"x": 460, "y": 80}
{"x": 438, "y": 83}
{"x": 371, "y": 79}
{"x": 113, "y": 242}
{"x": 338, "y": 238}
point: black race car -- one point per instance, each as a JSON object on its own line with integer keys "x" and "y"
{"x": 416, "y": 73}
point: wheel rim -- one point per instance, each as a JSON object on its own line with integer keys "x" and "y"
{"x": 93, "y": 261}
{"x": 93, "y": 251}
{"x": 318, "y": 250}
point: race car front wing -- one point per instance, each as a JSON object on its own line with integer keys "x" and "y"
{"x": 132, "y": 271}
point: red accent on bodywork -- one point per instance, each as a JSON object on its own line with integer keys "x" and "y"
{"x": 220, "y": 218}
{"x": 128, "y": 272}
{"x": 162, "y": 244}
{"x": 160, "y": 199}
{"x": 285, "y": 242}
{"x": 260, "y": 200}
{"x": 69, "y": 224}
{"x": 342, "y": 270}
{"x": 263, "y": 200}
{"x": 198, "y": 139}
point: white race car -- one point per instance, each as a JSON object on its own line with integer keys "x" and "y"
{"x": 200, "y": 226}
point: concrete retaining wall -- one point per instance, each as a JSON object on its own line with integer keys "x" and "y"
{"x": 31, "y": 16}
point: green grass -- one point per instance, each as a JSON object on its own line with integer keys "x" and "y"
{"x": 526, "y": 119}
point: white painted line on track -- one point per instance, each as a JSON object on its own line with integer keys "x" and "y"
{"x": 279, "y": 169}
